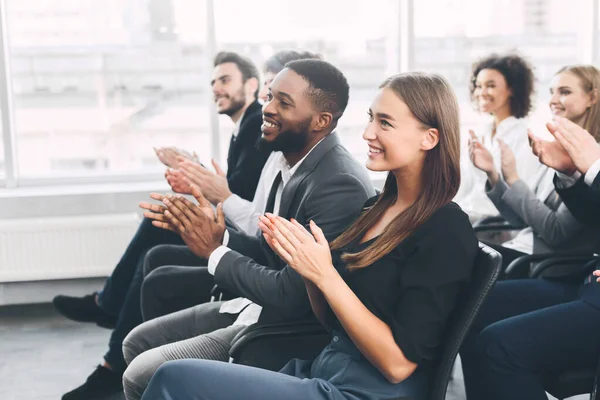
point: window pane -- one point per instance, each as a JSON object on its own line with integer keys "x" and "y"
{"x": 341, "y": 37}
{"x": 97, "y": 84}
{"x": 546, "y": 32}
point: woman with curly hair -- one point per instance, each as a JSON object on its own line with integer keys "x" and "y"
{"x": 501, "y": 86}
{"x": 531, "y": 328}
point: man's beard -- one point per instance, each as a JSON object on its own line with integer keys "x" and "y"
{"x": 290, "y": 141}
{"x": 237, "y": 102}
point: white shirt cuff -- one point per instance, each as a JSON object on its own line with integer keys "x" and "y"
{"x": 565, "y": 181}
{"x": 592, "y": 173}
{"x": 225, "y": 238}
{"x": 215, "y": 258}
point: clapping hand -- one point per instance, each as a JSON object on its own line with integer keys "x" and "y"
{"x": 169, "y": 156}
{"x": 482, "y": 158}
{"x": 308, "y": 254}
{"x": 200, "y": 227}
{"x": 213, "y": 185}
{"x": 578, "y": 143}
{"x": 509, "y": 163}
{"x": 552, "y": 154}
{"x": 178, "y": 181}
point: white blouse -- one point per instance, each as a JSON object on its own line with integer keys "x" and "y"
{"x": 471, "y": 195}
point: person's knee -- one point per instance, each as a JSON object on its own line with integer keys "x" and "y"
{"x": 133, "y": 344}
{"x": 496, "y": 346}
{"x": 140, "y": 370}
{"x": 155, "y": 257}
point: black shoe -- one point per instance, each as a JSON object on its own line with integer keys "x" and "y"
{"x": 101, "y": 383}
{"x": 84, "y": 309}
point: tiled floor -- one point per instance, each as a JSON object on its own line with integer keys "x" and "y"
{"x": 43, "y": 355}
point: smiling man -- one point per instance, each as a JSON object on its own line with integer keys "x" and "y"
{"x": 309, "y": 177}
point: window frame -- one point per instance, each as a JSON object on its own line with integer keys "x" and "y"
{"x": 400, "y": 52}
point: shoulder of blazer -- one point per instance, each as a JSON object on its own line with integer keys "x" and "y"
{"x": 330, "y": 142}
{"x": 251, "y": 122}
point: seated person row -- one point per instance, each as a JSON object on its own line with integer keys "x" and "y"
{"x": 168, "y": 287}
{"x": 530, "y": 328}
{"x": 314, "y": 178}
{"x": 389, "y": 286}
{"x": 550, "y": 225}
{"x": 235, "y": 86}
{"x": 503, "y": 87}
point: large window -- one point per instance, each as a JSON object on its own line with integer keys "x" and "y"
{"x": 95, "y": 85}
{"x": 545, "y": 32}
{"x": 352, "y": 38}
{"x": 98, "y": 84}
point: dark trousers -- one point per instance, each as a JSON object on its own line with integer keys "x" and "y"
{"x": 169, "y": 288}
{"x": 121, "y": 293}
{"x": 529, "y": 329}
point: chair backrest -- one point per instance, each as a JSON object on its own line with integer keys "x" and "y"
{"x": 485, "y": 272}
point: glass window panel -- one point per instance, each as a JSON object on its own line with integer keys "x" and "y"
{"x": 347, "y": 39}
{"x": 546, "y": 32}
{"x": 98, "y": 84}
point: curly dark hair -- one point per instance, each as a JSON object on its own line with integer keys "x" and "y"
{"x": 519, "y": 78}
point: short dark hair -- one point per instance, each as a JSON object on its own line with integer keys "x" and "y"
{"x": 244, "y": 64}
{"x": 277, "y": 61}
{"x": 328, "y": 87}
{"x": 518, "y": 74}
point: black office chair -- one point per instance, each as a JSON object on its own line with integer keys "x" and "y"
{"x": 494, "y": 223}
{"x": 271, "y": 346}
{"x": 568, "y": 383}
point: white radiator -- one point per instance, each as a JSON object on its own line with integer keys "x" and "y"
{"x": 65, "y": 247}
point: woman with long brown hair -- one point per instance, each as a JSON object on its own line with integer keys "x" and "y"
{"x": 389, "y": 283}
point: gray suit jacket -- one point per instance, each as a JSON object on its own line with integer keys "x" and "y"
{"x": 330, "y": 188}
{"x": 554, "y": 227}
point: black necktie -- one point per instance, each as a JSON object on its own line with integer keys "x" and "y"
{"x": 273, "y": 194}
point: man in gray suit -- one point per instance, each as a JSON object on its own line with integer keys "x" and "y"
{"x": 317, "y": 180}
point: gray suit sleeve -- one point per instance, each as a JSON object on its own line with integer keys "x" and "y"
{"x": 554, "y": 227}
{"x": 246, "y": 245}
{"x": 332, "y": 205}
{"x": 495, "y": 194}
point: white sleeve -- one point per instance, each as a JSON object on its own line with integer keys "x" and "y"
{"x": 215, "y": 258}
{"x": 242, "y": 213}
{"x": 592, "y": 173}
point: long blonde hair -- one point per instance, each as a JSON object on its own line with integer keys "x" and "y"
{"x": 589, "y": 79}
{"x": 433, "y": 103}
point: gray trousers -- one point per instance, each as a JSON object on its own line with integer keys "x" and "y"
{"x": 200, "y": 332}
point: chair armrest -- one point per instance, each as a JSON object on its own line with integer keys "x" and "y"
{"x": 272, "y": 346}
{"x": 494, "y": 219}
{"x": 265, "y": 331}
{"x": 505, "y": 226}
{"x": 525, "y": 261}
{"x": 585, "y": 264}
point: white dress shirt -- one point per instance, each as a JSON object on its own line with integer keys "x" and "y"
{"x": 471, "y": 195}
{"x": 245, "y": 214}
{"x": 249, "y": 311}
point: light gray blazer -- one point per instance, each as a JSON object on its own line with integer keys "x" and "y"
{"x": 554, "y": 227}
